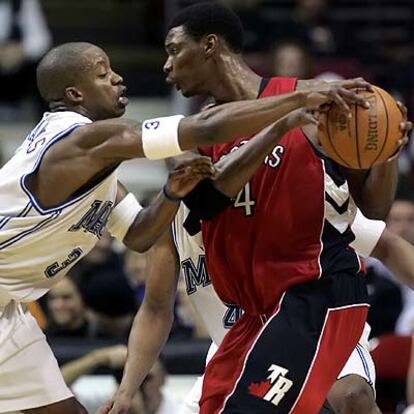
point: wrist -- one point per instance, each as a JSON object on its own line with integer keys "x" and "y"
{"x": 127, "y": 392}
{"x": 301, "y": 98}
{"x": 169, "y": 196}
{"x": 283, "y": 126}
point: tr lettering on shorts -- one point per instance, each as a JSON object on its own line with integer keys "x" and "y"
{"x": 275, "y": 387}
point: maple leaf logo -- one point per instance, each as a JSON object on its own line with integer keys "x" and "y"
{"x": 260, "y": 389}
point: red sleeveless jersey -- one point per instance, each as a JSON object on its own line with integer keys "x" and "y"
{"x": 287, "y": 226}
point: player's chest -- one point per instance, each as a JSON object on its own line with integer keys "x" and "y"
{"x": 291, "y": 149}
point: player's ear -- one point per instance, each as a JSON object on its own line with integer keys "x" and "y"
{"x": 74, "y": 95}
{"x": 210, "y": 45}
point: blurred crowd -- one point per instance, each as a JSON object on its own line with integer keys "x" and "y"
{"x": 304, "y": 38}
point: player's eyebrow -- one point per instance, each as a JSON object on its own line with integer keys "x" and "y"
{"x": 100, "y": 62}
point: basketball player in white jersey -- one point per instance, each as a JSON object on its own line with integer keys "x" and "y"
{"x": 60, "y": 190}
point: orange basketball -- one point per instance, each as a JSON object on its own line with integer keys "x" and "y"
{"x": 368, "y": 138}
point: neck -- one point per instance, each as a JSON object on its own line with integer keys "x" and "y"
{"x": 235, "y": 81}
{"x": 62, "y": 106}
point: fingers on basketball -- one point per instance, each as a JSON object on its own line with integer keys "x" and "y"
{"x": 370, "y": 137}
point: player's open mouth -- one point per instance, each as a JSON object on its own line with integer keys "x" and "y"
{"x": 123, "y": 100}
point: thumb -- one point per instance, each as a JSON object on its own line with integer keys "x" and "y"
{"x": 312, "y": 118}
{"x": 180, "y": 172}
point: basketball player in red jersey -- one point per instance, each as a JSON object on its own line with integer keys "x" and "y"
{"x": 284, "y": 257}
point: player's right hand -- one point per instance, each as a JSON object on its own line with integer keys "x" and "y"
{"x": 405, "y": 127}
{"x": 118, "y": 405}
{"x": 341, "y": 93}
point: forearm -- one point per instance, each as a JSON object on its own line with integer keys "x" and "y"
{"x": 144, "y": 349}
{"x": 72, "y": 370}
{"x": 397, "y": 255}
{"x": 374, "y": 190}
{"x": 379, "y": 189}
{"x": 226, "y": 122}
{"x": 150, "y": 224}
{"x": 238, "y": 167}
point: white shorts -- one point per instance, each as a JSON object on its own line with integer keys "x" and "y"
{"x": 191, "y": 402}
{"x": 29, "y": 373}
{"x": 359, "y": 363}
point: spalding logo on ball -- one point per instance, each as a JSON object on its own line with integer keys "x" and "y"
{"x": 368, "y": 138}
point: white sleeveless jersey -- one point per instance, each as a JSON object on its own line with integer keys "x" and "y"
{"x": 217, "y": 316}
{"x": 38, "y": 246}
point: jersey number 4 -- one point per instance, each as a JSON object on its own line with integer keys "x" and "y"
{"x": 244, "y": 199}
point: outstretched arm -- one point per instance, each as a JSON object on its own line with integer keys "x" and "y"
{"x": 154, "y": 318}
{"x": 112, "y": 141}
{"x": 107, "y": 143}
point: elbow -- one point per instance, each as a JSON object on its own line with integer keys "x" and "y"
{"x": 205, "y": 128}
{"x": 137, "y": 244}
{"x": 159, "y": 311}
{"x": 141, "y": 247}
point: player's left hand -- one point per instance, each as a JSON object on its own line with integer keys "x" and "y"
{"x": 187, "y": 175}
{"x": 405, "y": 128}
{"x": 301, "y": 117}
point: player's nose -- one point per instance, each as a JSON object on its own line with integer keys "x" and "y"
{"x": 117, "y": 79}
{"x": 167, "y": 66}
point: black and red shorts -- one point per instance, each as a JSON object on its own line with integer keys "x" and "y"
{"x": 287, "y": 361}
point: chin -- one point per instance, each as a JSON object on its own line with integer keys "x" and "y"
{"x": 118, "y": 112}
{"x": 188, "y": 94}
{"x": 121, "y": 111}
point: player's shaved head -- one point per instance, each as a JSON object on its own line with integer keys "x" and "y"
{"x": 62, "y": 67}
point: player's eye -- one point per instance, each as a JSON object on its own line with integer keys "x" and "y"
{"x": 103, "y": 75}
